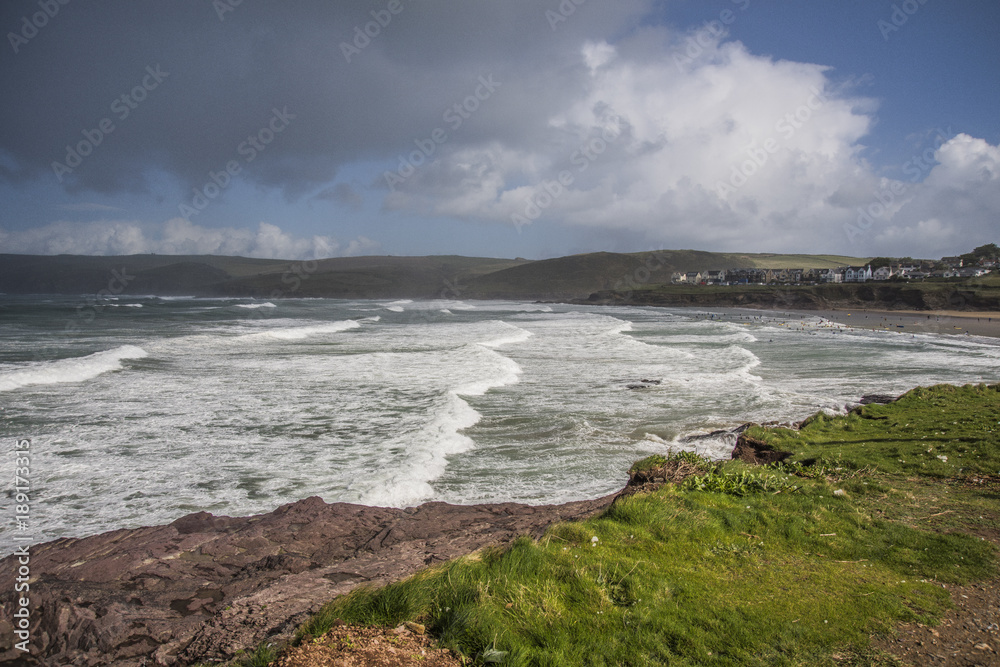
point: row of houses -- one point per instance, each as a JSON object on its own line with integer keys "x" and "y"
{"x": 959, "y": 262}
{"x": 844, "y": 274}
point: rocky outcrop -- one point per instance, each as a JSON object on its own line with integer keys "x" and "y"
{"x": 205, "y": 587}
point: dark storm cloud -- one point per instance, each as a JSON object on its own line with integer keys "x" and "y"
{"x": 185, "y": 87}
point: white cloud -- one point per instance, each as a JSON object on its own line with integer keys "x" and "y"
{"x": 954, "y": 209}
{"x": 598, "y": 54}
{"x": 727, "y": 151}
{"x": 174, "y": 237}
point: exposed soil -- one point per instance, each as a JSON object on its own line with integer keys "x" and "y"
{"x": 969, "y": 635}
{"x": 756, "y": 452}
{"x": 353, "y": 646}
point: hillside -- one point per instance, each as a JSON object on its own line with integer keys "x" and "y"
{"x": 772, "y": 261}
{"x": 975, "y": 294}
{"x": 449, "y": 276}
{"x": 208, "y": 275}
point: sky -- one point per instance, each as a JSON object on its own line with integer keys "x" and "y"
{"x": 522, "y": 128}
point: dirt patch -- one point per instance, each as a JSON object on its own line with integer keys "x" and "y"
{"x": 986, "y": 482}
{"x": 968, "y": 635}
{"x": 672, "y": 472}
{"x": 354, "y": 646}
{"x": 756, "y": 452}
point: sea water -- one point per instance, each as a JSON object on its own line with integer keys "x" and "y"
{"x": 143, "y": 409}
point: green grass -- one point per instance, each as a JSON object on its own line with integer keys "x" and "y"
{"x": 785, "y": 565}
{"x": 940, "y": 432}
{"x": 773, "y": 261}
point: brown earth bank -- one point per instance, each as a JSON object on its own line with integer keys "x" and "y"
{"x": 206, "y": 587}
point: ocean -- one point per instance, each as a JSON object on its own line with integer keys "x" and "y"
{"x": 143, "y": 409}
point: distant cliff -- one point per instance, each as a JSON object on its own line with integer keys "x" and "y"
{"x": 970, "y": 295}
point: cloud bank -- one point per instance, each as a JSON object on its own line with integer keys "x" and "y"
{"x": 599, "y": 123}
{"x": 175, "y": 237}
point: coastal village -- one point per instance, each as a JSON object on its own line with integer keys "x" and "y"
{"x": 946, "y": 268}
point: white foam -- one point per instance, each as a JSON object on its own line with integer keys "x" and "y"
{"x": 518, "y": 335}
{"x": 397, "y": 306}
{"x": 427, "y": 452}
{"x": 500, "y": 307}
{"x": 255, "y": 306}
{"x": 302, "y": 332}
{"x": 652, "y": 437}
{"x": 70, "y": 370}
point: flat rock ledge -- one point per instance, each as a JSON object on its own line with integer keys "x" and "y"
{"x": 205, "y": 587}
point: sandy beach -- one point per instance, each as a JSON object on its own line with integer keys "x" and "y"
{"x": 903, "y": 321}
{"x": 953, "y": 322}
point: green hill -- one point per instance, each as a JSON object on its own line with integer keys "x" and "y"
{"x": 451, "y": 276}
{"x": 772, "y": 261}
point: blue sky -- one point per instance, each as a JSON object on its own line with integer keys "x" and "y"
{"x": 855, "y": 127}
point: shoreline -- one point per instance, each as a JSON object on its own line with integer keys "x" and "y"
{"x": 941, "y": 322}
{"x": 945, "y": 322}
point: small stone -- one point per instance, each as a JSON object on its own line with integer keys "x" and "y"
{"x": 983, "y": 647}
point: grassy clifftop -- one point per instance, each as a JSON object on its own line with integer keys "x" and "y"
{"x": 796, "y": 563}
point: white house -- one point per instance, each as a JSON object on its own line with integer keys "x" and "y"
{"x": 715, "y": 276}
{"x": 833, "y": 276}
{"x": 857, "y": 274}
{"x": 882, "y": 273}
